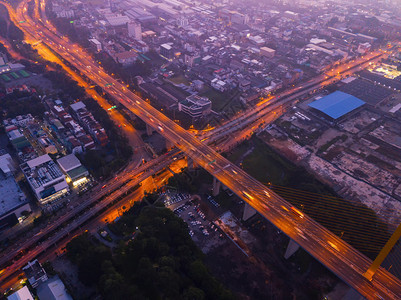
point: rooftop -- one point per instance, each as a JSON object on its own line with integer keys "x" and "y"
{"x": 11, "y": 195}
{"x": 53, "y": 289}
{"x": 41, "y": 170}
{"x": 337, "y": 104}
{"x": 22, "y": 294}
{"x": 77, "y": 172}
{"x": 367, "y": 91}
{"x": 69, "y": 162}
{"x": 77, "y": 105}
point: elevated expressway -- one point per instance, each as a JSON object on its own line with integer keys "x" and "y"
{"x": 342, "y": 259}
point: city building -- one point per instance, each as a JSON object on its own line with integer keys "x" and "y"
{"x": 219, "y": 85}
{"x": 21, "y": 294}
{"x": 96, "y": 45}
{"x": 89, "y": 123}
{"x": 17, "y": 139}
{"x": 13, "y": 203}
{"x": 182, "y": 22}
{"x": 75, "y": 171}
{"x": 126, "y": 58}
{"x": 135, "y": 30}
{"x": 166, "y": 51}
{"x": 195, "y": 106}
{"x": 116, "y": 20}
{"x": 336, "y": 105}
{"x": 35, "y": 273}
{"x": 45, "y": 178}
{"x": 267, "y": 52}
{"x": 53, "y": 289}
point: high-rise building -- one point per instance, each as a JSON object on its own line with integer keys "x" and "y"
{"x": 135, "y": 30}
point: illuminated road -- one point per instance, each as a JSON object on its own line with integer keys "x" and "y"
{"x": 334, "y": 253}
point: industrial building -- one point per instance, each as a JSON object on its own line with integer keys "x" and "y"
{"x": 336, "y": 105}
{"x": 45, "y": 178}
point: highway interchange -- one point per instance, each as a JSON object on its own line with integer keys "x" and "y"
{"x": 334, "y": 253}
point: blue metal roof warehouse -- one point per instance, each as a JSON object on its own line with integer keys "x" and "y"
{"x": 337, "y": 104}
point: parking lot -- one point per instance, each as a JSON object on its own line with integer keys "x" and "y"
{"x": 204, "y": 232}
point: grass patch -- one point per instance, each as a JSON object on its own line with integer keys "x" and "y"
{"x": 178, "y": 79}
{"x": 219, "y": 100}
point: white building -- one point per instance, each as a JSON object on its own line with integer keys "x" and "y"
{"x": 195, "y": 106}
{"x": 135, "y": 30}
{"x": 267, "y": 52}
{"x": 219, "y": 85}
{"x": 96, "y": 45}
{"x": 45, "y": 178}
{"x": 22, "y": 294}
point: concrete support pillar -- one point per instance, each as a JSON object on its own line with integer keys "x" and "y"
{"x": 291, "y": 249}
{"x": 190, "y": 163}
{"x": 149, "y": 130}
{"x": 169, "y": 145}
{"x": 249, "y": 211}
{"x": 216, "y": 187}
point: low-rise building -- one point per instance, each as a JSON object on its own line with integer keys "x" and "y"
{"x": 45, "y": 178}
{"x": 126, "y": 58}
{"x": 21, "y": 294}
{"x": 166, "y": 51}
{"x": 35, "y": 273}
{"x": 13, "y": 202}
{"x": 53, "y": 289}
{"x": 195, "y": 106}
{"x": 267, "y": 52}
{"x": 17, "y": 139}
{"x": 219, "y": 85}
{"x": 96, "y": 45}
{"x": 75, "y": 171}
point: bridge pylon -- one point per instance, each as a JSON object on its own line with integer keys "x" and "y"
{"x": 149, "y": 130}
{"x": 291, "y": 249}
{"x": 169, "y": 145}
{"x": 216, "y": 187}
{"x": 190, "y": 163}
{"x": 383, "y": 254}
{"x": 249, "y": 212}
